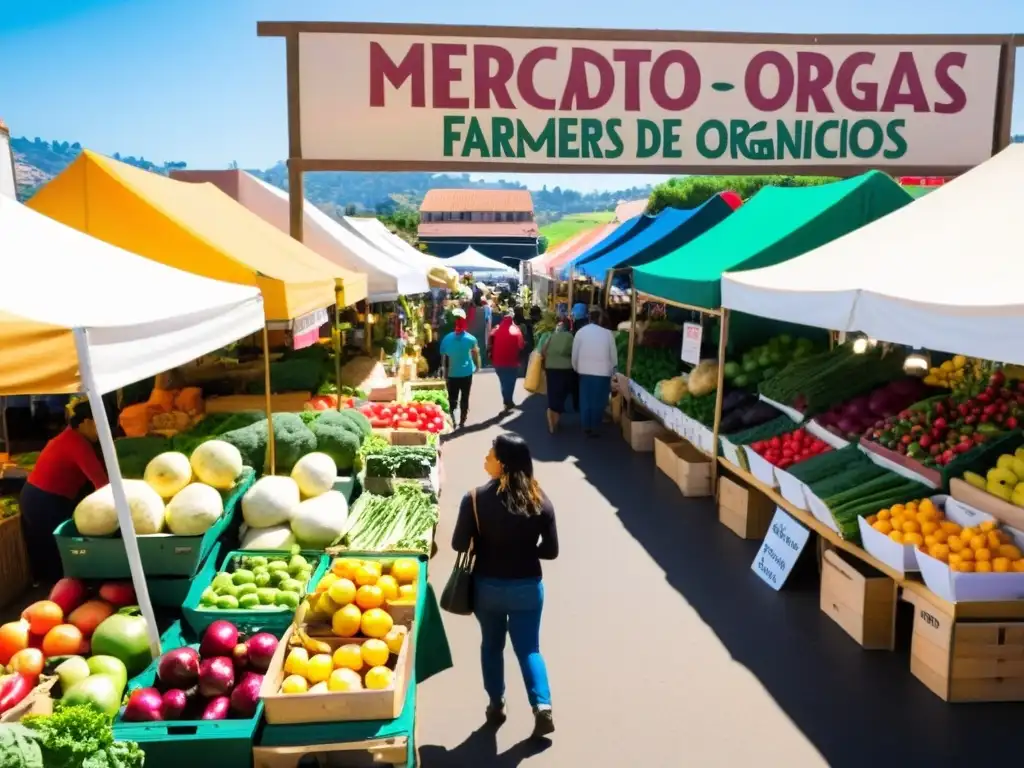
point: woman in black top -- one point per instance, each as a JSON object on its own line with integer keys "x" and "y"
{"x": 511, "y": 525}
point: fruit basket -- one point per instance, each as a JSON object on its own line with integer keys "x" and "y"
{"x": 991, "y": 479}
{"x": 162, "y": 554}
{"x": 270, "y": 615}
{"x": 14, "y": 568}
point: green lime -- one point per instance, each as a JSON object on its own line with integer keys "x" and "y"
{"x": 242, "y": 576}
{"x": 248, "y": 602}
{"x": 227, "y": 603}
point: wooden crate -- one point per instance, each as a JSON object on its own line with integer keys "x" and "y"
{"x": 967, "y": 661}
{"x": 15, "y": 575}
{"x": 745, "y": 511}
{"x": 859, "y": 599}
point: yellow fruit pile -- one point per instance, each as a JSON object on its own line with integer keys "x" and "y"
{"x": 981, "y": 549}
{"x": 352, "y": 597}
{"x": 352, "y": 667}
{"x": 953, "y": 372}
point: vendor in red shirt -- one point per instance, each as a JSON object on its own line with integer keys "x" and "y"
{"x": 67, "y": 466}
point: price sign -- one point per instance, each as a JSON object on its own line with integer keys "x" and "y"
{"x": 692, "y": 334}
{"x": 779, "y": 551}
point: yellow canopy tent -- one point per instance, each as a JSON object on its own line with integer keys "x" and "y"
{"x": 196, "y": 228}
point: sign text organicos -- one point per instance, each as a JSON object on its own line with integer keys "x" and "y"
{"x": 485, "y": 100}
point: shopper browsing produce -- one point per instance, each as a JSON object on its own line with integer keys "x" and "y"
{"x": 461, "y": 353}
{"x": 507, "y": 344}
{"x": 594, "y": 358}
{"x": 560, "y": 377}
{"x": 66, "y": 466}
{"x": 511, "y": 525}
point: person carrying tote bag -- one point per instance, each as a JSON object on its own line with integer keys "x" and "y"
{"x": 506, "y": 528}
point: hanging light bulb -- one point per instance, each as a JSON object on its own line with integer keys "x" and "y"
{"x": 863, "y": 343}
{"x": 917, "y": 363}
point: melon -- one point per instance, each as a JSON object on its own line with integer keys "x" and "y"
{"x": 216, "y": 463}
{"x": 194, "y": 510}
{"x": 320, "y": 522}
{"x": 272, "y": 500}
{"x": 168, "y": 473}
{"x": 96, "y": 514}
{"x": 315, "y": 474}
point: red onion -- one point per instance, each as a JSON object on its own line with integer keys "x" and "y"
{"x": 246, "y": 695}
{"x": 216, "y": 677}
{"x": 144, "y": 706}
{"x": 261, "y": 647}
{"x": 217, "y": 709}
{"x": 179, "y": 668}
{"x": 174, "y": 703}
{"x": 220, "y": 639}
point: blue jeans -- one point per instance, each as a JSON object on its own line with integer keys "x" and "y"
{"x": 594, "y": 394}
{"x": 511, "y": 607}
{"x": 507, "y": 376}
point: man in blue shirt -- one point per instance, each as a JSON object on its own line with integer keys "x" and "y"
{"x": 461, "y": 354}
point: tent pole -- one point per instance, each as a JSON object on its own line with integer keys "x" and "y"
{"x": 629, "y": 349}
{"x": 124, "y": 515}
{"x": 723, "y": 339}
{"x": 570, "y": 291}
{"x": 608, "y": 288}
{"x": 271, "y": 448}
{"x": 339, "y": 298}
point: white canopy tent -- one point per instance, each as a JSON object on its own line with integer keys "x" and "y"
{"x": 387, "y": 276}
{"x": 112, "y": 319}
{"x": 942, "y": 273}
{"x": 471, "y": 260}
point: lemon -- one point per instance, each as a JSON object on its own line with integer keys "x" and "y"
{"x": 296, "y": 662}
{"x": 345, "y": 622}
{"x": 405, "y": 570}
{"x": 319, "y": 688}
{"x": 395, "y": 637}
{"x": 407, "y": 592}
{"x": 319, "y": 668}
{"x": 349, "y": 657}
{"x": 369, "y": 596}
{"x": 294, "y": 684}
{"x": 326, "y": 581}
{"x": 388, "y": 586}
{"x": 342, "y": 592}
{"x": 379, "y": 678}
{"x": 345, "y": 567}
{"x": 375, "y": 653}
{"x": 376, "y": 623}
{"x": 344, "y": 679}
{"x": 365, "y": 574}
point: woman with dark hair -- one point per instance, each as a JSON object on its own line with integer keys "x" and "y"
{"x": 65, "y": 468}
{"x": 511, "y": 525}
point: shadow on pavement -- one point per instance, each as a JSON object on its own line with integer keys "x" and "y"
{"x": 855, "y": 706}
{"x": 481, "y": 749}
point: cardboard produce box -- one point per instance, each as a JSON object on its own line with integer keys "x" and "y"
{"x": 335, "y": 706}
{"x": 967, "y": 661}
{"x": 693, "y": 471}
{"x": 745, "y": 511}
{"x": 639, "y": 431}
{"x": 665, "y": 453}
{"x": 859, "y": 599}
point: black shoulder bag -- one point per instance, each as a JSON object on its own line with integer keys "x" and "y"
{"x": 457, "y": 596}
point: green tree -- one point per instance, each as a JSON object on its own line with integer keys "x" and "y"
{"x": 542, "y": 244}
{"x": 690, "y": 191}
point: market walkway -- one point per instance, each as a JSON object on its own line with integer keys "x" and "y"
{"x": 665, "y": 650}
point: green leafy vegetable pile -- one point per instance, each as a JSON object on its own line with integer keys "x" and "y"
{"x": 72, "y": 737}
{"x": 438, "y": 397}
{"x": 409, "y": 461}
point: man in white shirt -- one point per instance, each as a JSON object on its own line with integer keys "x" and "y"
{"x": 594, "y": 358}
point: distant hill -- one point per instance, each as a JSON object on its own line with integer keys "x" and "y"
{"x": 37, "y": 161}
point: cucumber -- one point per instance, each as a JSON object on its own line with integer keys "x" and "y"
{"x": 886, "y": 481}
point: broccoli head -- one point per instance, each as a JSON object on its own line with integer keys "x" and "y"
{"x": 292, "y": 441}
{"x": 359, "y": 419}
{"x": 337, "y": 441}
{"x": 134, "y": 453}
{"x": 308, "y": 417}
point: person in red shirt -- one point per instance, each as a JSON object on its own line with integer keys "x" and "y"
{"x": 65, "y": 468}
{"x": 507, "y": 344}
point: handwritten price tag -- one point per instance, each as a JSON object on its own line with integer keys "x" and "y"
{"x": 692, "y": 335}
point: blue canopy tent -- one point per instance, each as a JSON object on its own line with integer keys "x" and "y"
{"x": 671, "y": 229}
{"x": 627, "y": 230}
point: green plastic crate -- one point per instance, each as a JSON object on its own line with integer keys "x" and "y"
{"x": 191, "y": 743}
{"x": 90, "y": 557}
{"x": 346, "y": 485}
{"x": 275, "y": 622}
{"x": 171, "y": 591}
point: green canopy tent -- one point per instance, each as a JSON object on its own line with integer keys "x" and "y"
{"x": 775, "y": 225}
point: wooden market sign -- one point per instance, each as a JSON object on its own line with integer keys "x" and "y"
{"x": 435, "y": 98}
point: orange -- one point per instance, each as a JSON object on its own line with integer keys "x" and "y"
{"x": 896, "y": 536}
{"x": 369, "y": 596}
{"x": 928, "y": 527}
{"x": 349, "y": 657}
{"x": 376, "y": 623}
{"x": 28, "y": 661}
{"x": 882, "y": 526}
{"x": 956, "y": 544}
{"x": 915, "y": 539}
{"x": 376, "y": 652}
{"x": 62, "y": 640}
{"x": 978, "y": 542}
{"x": 884, "y": 514}
{"x": 897, "y": 522}
{"x": 1004, "y": 537}
{"x": 911, "y": 526}
{"x": 325, "y": 582}
{"x": 983, "y": 567}
{"x": 993, "y": 540}
{"x": 342, "y": 592}
{"x": 988, "y": 525}
{"x": 1018, "y": 566}
{"x": 42, "y": 616}
{"x": 1010, "y": 551}
{"x": 939, "y": 552}
{"x": 319, "y": 668}
{"x": 965, "y": 567}
{"x": 389, "y": 587}
{"x": 897, "y": 509}
{"x": 345, "y": 567}
{"x": 1001, "y": 565}
{"x": 872, "y": 519}
{"x": 983, "y": 555}
{"x": 954, "y": 560}
{"x": 968, "y": 533}
{"x": 927, "y": 506}
{"x": 941, "y": 535}
{"x": 967, "y": 554}
{"x": 405, "y": 570}
{"x": 950, "y": 527}
{"x": 929, "y": 541}
{"x": 345, "y": 623}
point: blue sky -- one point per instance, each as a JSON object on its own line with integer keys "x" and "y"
{"x": 189, "y": 80}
